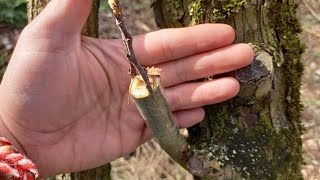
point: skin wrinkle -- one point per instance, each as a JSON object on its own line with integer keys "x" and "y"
{"x": 17, "y": 144}
{"x": 104, "y": 136}
{"x": 178, "y": 71}
{"x": 75, "y": 143}
{"x": 78, "y": 145}
{"x": 25, "y": 120}
{"x": 107, "y": 77}
{"x": 124, "y": 129}
{"x": 174, "y": 100}
{"x": 59, "y": 48}
{"x": 51, "y": 131}
{"x": 87, "y": 46}
{"x": 74, "y": 154}
{"x": 68, "y": 125}
{"x": 112, "y": 91}
{"x": 165, "y": 47}
{"x": 127, "y": 126}
{"x": 196, "y": 45}
{"x": 36, "y": 145}
{"x": 77, "y": 138}
{"x": 117, "y": 125}
{"x": 201, "y": 62}
{"x": 103, "y": 63}
{"x": 64, "y": 132}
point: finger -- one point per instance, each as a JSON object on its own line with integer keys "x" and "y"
{"x": 169, "y": 44}
{"x": 187, "y": 118}
{"x": 62, "y": 17}
{"x": 183, "y": 119}
{"x": 192, "y": 95}
{"x": 206, "y": 64}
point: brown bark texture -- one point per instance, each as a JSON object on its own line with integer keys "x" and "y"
{"x": 91, "y": 29}
{"x": 257, "y": 134}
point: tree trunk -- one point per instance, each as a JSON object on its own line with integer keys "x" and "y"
{"x": 90, "y": 29}
{"x": 257, "y": 134}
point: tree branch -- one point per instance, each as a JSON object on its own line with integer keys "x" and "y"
{"x": 155, "y": 110}
{"x": 147, "y": 93}
{"x": 127, "y": 39}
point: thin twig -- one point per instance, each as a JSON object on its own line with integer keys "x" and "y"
{"x": 127, "y": 39}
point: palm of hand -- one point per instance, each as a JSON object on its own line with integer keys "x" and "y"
{"x": 64, "y": 98}
{"x": 76, "y": 99}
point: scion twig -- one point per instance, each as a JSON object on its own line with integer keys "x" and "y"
{"x": 147, "y": 92}
{"x": 127, "y": 39}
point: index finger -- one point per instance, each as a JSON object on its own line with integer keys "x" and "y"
{"x": 170, "y": 44}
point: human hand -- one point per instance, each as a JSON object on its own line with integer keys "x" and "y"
{"x": 64, "y": 97}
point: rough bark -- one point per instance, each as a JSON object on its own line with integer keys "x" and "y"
{"x": 257, "y": 134}
{"x": 91, "y": 29}
{"x": 92, "y": 26}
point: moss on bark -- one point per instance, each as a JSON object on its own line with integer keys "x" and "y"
{"x": 92, "y": 26}
{"x": 257, "y": 134}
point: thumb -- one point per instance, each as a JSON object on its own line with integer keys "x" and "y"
{"x": 61, "y": 17}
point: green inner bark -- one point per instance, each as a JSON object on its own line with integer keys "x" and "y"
{"x": 156, "y": 112}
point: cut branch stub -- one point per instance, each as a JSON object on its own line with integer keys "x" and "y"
{"x": 155, "y": 110}
{"x": 256, "y": 79}
{"x": 157, "y": 114}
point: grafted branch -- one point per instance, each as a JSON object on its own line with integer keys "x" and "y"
{"x": 127, "y": 39}
{"x": 147, "y": 92}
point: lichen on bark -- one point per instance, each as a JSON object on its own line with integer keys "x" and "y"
{"x": 91, "y": 28}
{"x": 257, "y": 134}
{"x": 172, "y": 10}
{"x": 35, "y": 7}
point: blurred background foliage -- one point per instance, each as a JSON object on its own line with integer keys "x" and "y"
{"x": 13, "y": 12}
{"x": 13, "y": 17}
